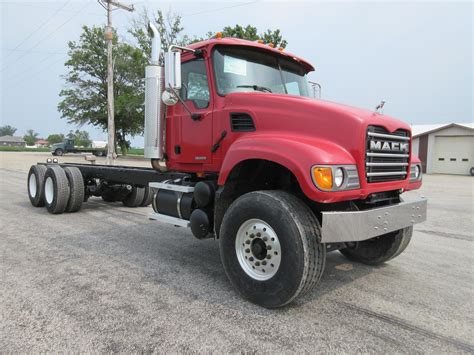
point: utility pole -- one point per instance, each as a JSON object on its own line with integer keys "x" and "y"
{"x": 109, "y": 34}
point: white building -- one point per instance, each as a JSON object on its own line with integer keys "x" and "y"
{"x": 444, "y": 148}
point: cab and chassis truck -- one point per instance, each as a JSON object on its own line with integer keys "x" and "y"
{"x": 241, "y": 153}
{"x": 67, "y": 146}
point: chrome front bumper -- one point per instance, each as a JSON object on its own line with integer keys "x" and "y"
{"x": 354, "y": 226}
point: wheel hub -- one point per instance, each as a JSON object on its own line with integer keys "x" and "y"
{"x": 258, "y": 249}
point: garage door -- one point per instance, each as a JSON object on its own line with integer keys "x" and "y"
{"x": 453, "y": 155}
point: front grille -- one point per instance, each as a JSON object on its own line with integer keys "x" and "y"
{"x": 387, "y": 154}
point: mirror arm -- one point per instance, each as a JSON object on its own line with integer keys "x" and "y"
{"x": 194, "y": 116}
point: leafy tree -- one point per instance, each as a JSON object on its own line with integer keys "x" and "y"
{"x": 84, "y": 100}
{"x": 250, "y": 33}
{"x": 55, "y": 138}
{"x": 81, "y": 138}
{"x": 169, "y": 28}
{"x": 7, "y": 130}
{"x": 30, "y": 137}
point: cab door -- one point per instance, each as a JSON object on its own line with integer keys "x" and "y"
{"x": 191, "y": 134}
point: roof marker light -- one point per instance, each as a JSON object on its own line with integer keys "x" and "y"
{"x": 218, "y": 35}
{"x": 271, "y": 45}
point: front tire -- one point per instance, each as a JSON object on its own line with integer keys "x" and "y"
{"x": 270, "y": 247}
{"x": 381, "y": 249}
{"x": 58, "y": 152}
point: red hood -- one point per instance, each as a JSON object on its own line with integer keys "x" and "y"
{"x": 341, "y": 124}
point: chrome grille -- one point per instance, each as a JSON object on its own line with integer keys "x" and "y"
{"x": 387, "y": 154}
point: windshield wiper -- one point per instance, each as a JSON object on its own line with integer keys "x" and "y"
{"x": 255, "y": 87}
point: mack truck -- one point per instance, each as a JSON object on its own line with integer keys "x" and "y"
{"x": 67, "y": 146}
{"x": 240, "y": 152}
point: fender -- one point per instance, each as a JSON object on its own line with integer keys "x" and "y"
{"x": 297, "y": 153}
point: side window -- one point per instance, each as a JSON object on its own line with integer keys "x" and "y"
{"x": 195, "y": 84}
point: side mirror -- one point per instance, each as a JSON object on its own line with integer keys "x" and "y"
{"x": 173, "y": 70}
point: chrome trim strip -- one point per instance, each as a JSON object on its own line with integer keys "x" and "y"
{"x": 169, "y": 219}
{"x": 381, "y": 135}
{"x": 166, "y": 186}
{"x": 387, "y": 164}
{"x": 356, "y": 226}
{"x": 391, "y": 155}
{"x": 388, "y": 173}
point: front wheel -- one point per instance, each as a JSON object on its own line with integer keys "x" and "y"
{"x": 378, "y": 250}
{"x": 270, "y": 247}
{"x": 58, "y": 152}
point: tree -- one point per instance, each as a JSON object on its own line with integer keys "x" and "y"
{"x": 55, "y": 138}
{"x": 81, "y": 138}
{"x": 250, "y": 33}
{"x": 7, "y": 130}
{"x": 84, "y": 99}
{"x": 30, "y": 137}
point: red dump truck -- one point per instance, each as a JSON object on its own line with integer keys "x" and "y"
{"x": 241, "y": 153}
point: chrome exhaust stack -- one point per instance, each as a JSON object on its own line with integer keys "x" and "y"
{"x": 154, "y": 108}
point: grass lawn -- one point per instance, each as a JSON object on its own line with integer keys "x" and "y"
{"x": 23, "y": 149}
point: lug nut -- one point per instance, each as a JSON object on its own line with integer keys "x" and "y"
{"x": 259, "y": 234}
{"x": 264, "y": 262}
{"x": 257, "y": 263}
{"x": 252, "y": 235}
{"x": 265, "y": 239}
{"x": 269, "y": 256}
{"x": 251, "y": 258}
{"x": 269, "y": 247}
{"x": 247, "y": 250}
{"x": 247, "y": 242}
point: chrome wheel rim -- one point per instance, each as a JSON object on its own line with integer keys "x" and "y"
{"x": 49, "y": 190}
{"x": 258, "y": 249}
{"x": 32, "y": 185}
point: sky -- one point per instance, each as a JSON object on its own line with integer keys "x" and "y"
{"x": 417, "y": 56}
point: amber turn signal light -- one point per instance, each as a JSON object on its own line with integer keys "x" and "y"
{"x": 322, "y": 177}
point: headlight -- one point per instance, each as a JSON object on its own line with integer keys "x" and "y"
{"x": 415, "y": 172}
{"x": 339, "y": 177}
{"x": 335, "y": 178}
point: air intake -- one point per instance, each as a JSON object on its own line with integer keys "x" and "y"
{"x": 241, "y": 122}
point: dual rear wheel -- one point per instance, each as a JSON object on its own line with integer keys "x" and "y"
{"x": 60, "y": 190}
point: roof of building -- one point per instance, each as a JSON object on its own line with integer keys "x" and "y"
{"x": 419, "y": 130}
{"x": 12, "y": 139}
{"x": 41, "y": 141}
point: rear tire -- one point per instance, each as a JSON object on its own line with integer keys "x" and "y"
{"x": 76, "y": 187}
{"x": 56, "y": 190}
{"x": 36, "y": 185}
{"x": 134, "y": 198}
{"x": 270, "y": 247}
{"x": 378, "y": 250}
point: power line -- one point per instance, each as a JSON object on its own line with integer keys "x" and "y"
{"x": 39, "y": 28}
{"x": 24, "y": 50}
{"x": 47, "y": 36}
{"x": 221, "y": 8}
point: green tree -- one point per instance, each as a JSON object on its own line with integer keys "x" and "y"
{"x": 7, "y": 130}
{"x": 30, "y": 137}
{"x": 84, "y": 100}
{"x": 250, "y": 33}
{"x": 55, "y": 138}
{"x": 81, "y": 138}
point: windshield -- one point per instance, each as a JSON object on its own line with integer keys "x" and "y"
{"x": 243, "y": 69}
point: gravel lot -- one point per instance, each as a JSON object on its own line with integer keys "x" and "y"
{"x": 107, "y": 279}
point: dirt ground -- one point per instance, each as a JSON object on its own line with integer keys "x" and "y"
{"x": 107, "y": 279}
